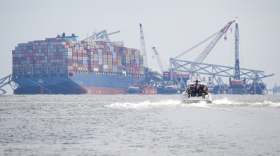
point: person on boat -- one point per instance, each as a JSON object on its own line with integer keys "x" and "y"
{"x": 207, "y": 91}
{"x": 197, "y": 91}
{"x": 200, "y": 90}
{"x": 203, "y": 93}
{"x": 192, "y": 91}
{"x": 189, "y": 91}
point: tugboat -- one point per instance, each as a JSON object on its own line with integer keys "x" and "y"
{"x": 202, "y": 95}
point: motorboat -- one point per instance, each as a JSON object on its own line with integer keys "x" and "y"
{"x": 197, "y": 97}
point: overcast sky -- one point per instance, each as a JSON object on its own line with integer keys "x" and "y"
{"x": 171, "y": 26}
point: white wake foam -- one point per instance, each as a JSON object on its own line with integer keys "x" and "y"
{"x": 145, "y": 104}
{"x": 227, "y": 102}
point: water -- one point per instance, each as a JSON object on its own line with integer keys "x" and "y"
{"x": 139, "y": 125}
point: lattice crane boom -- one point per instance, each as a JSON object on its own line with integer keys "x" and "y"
{"x": 158, "y": 59}
{"x": 207, "y": 50}
{"x": 143, "y": 47}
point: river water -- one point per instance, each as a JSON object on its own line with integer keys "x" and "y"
{"x": 139, "y": 125}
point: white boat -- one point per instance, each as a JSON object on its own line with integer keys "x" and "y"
{"x": 196, "y": 98}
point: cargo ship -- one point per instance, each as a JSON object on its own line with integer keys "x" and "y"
{"x": 65, "y": 65}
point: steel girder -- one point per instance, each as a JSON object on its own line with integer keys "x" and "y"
{"x": 215, "y": 71}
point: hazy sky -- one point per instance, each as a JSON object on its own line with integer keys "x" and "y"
{"x": 171, "y": 26}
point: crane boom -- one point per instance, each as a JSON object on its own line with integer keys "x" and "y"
{"x": 197, "y": 45}
{"x": 143, "y": 47}
{"x": 158, "y": 59}
{"x": 207, "y": 50}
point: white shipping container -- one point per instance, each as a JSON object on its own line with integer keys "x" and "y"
{"x": 99, "y": 50}
{"x": 95, "y": 69}
{"x": 127, "y": 61}
{"x": 84, "y": 58}
{"x": 108, "y": 44}
{"x": 96, "y": 46}
{"x": 105, "y": 66}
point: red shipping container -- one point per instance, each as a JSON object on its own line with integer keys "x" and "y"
{"x": 80, "y": 65}
{"x": 70, "y": 71}
{"x": 75, "y": 68}
{"x": 110, "y": 70}
{"x": 114, "y": 60}
{"x": 84, "y": 51}
{"x": 98, "y": 43}
{"x": 95, "y": 52}
{"x": 115, "y": 63}
{"x": 81, "y": 45}
{"x": 119, "y": 57}
{"x": 90, "y": 56}
{"x": 75, "y": 61}
{"x": 92, "y": 50}
{"x": 74, "y": 51}
{"x": 85, "y": 65}
{"x": 65, "y": 46}
{"x": 103, "y": 43}
{"x": 80, "y": 55}
{"x": 105, "y": 53}
{"x": 119, "y": 67}
{"x": 95, "y": 62}
{"x": 95, "y": 66}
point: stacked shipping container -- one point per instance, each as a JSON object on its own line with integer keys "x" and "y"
{"x": 69, "y": 56}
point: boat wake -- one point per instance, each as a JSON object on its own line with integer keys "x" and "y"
{"x": 219, "y": 103}
{"x": 226, "y": 102}
{"x": 146, "y": 104}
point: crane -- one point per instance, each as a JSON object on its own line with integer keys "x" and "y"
{"x": 237, "y": 69}
{"x": 158, "y": 59}
{"x": 143, "y": 47}
{"x": 102, "y": 35}
{"x": 207, "y": 50}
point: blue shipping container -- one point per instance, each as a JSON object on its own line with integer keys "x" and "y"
{"x": 119, "y": 71}
{"x": 141, "y": 62}
{"x": 128, "y": 71}
{"x": 80, "y": 61}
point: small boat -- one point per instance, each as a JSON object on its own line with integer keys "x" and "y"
{"x": 197, "y": 97}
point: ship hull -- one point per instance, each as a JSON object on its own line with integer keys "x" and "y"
{"x": 74, "y": 84}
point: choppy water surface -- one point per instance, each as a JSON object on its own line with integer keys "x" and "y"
{"x": 139, "y": 125}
